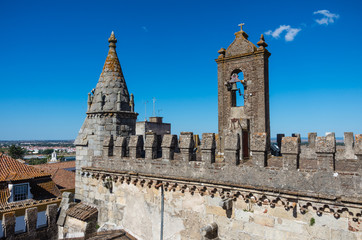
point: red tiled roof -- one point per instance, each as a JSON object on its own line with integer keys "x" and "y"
{"x": 40, "y": 182}
{"x": 67, "y": 164}
{"x": 48, "y": 187}
{"x": 13, "y": 170}
{"x": 63, "y": 178}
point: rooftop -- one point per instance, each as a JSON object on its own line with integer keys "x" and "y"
{"x": 60, "y": 173}
{"x": 13, "y": 170}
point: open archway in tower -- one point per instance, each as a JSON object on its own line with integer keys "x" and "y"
{"x": 237, "y": 88}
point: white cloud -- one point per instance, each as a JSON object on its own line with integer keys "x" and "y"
{"x": 290, "y": 32}
{"x": 327, "y": 18}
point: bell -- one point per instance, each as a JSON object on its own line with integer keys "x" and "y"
{"x": 234, "y": 87}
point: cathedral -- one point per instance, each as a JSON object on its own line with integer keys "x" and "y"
{"x": 156, "y": 187}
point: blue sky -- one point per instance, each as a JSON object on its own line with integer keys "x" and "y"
{"x": 52, "y": 53}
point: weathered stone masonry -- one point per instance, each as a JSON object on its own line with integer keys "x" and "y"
{"x": 311, "y": 192}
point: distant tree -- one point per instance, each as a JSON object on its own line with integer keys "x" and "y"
{"x": 36, "y": 161}
{"x": 48, "y": 151}
{"x": 16, "y": 152}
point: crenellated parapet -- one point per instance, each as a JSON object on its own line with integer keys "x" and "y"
{"x": 49, "y": 231}
{"x": 301, "y": 168}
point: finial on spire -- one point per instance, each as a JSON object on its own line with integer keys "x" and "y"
{"x": 222, "y": 52}
{"x": 241, "y": 26}
{"x": 112, "y": 40}
{"x": 262, "y": 44}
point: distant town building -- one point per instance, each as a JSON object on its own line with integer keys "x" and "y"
{"x": 154, "y": 125}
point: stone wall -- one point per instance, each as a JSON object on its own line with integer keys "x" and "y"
{"x": 97, "y": 127}
{"x": 289, "y": 173}
{"x": 32, "y": 232}
{"x": 193, "y": 210}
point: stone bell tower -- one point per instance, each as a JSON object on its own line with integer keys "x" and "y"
{"x": 243, "y": 66}
{"x": 110, "y": 113}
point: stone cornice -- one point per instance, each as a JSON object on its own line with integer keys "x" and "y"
{"x": 319, "y": 202}
{"x": 258, "y": 52}
{"x": 127, "y": 114}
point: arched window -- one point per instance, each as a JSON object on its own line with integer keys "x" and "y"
{"x": 236, "y": 87}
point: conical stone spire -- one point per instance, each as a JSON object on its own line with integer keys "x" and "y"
{"x": 109, "y": 114}
{"x": 111, "y": 84}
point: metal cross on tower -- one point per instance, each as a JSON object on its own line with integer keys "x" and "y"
{"x": 241, "y": 26}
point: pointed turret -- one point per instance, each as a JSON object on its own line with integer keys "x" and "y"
{"x": 111, "y": 84}
{"x": 109, "y": 114}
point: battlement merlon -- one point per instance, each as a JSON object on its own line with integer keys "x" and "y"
{"x": 290, "y": 150}
{"x": 259, "y": 148}
{"x": 358, "y": 146}
{"x": 208, "y": 146}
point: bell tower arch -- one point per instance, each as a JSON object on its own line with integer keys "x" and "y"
{"x": 244, "y": 57}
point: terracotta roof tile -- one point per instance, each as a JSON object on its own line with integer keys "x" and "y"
{"x": 63, "y": 178}
{"x": 42, "y": 186}
{"x": 49, "y": 189}
{"x": 13, "y": 170}
{"x": 63, "y": 165}
{"x": 82, "y": 211}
